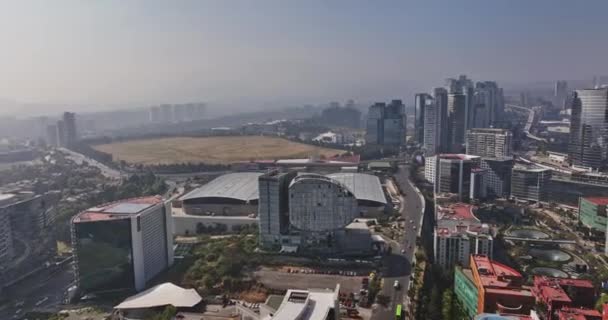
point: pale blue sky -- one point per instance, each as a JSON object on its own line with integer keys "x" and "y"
{"x": 98, "y": 54}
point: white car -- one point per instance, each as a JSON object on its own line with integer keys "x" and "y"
{"x": 397, "y": 285}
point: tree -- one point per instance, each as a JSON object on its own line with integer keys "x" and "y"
{"x": 447, "y": 308}
{"x": 434, "y": 306}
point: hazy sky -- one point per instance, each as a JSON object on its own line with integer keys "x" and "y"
{"x": 99, "y": 54}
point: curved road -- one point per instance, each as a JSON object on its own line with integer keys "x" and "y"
{"x": 398, "y": 265}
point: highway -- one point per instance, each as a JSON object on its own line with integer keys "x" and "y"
{"x": 398, "y": 265}
{"x": 43, "y": 292}
{"x": 80, "y": 158}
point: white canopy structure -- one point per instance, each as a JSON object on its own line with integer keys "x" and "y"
{"x": 162, "y": 295}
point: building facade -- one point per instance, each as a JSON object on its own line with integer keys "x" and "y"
{"x": 498, "y": 288}
{"x": 421, "y": 102}
{"x": 121, "y": 246}
{"x": 498, "y": 177}
{"x": 589, "y": 128}
{"x": 592, "y": 213}
{"x": 457, "y": 114}
{"x": 6, "y": 237}
{"x": 386, "y": 124}
{"x": 490, "y": 143}
{"x": 530, "y": 183}
{"x": 273, "y": 208}
{"x": 453, "y": 174}
{"x": 459, "y": 234}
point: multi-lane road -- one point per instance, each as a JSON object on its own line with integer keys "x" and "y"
{"x": 44, "y": 291}
{"x": 398, "y": 265}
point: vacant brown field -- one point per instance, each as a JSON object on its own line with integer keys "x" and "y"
{"x": 210, "y": 150}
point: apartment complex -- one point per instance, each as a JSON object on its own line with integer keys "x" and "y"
{"x": 459, "y": 234}
{"x": 489, "y": 143}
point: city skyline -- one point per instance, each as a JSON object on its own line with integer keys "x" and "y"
{"x": 94, "y": 56}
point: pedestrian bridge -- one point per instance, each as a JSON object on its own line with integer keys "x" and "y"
{"x": 536, "y": 240}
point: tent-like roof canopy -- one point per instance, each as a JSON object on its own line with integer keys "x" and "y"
{"x": 162, "y": 295}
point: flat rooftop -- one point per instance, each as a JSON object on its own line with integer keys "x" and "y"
{"x": 118, "y": 210}
{"x": 456, "y": 211}
{"x": 457, "y": 156}
{"x": 313, "y": 304}
{"x": 598, "y": 201}
{"x": 497, "y": 276}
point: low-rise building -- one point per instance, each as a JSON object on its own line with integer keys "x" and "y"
{"x": 578, "y": 314}
{"x": 592, "y": 213}
{"x": 311, "y": 304}
{"x": 491, "y": 287}
{"x": 559, "y": 293}
{"x": 459, "y": 234}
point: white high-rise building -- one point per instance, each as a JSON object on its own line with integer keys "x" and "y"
{"x": 459, "y": 234}
{"x": 491, "y": 143}
{"x": 431, "y": 139}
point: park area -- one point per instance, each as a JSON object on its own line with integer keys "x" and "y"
{"x": 211, "y": 150}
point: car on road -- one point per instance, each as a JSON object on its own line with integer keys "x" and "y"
{"x": 402, "y": 251}
{"x": 411, "y": 221}
{"x": 397, "y": 285}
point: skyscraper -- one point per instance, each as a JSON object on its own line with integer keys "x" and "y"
{"x": 488, "y": 142}
{"x": 386, "y": 124}
{"x": 589, "y": 128}
{"x": 457, "y": 110}
{"x": 441, "y": 102}
{"x": 374, "y": 133}
{"x": 69, "y": 123}
{"x": 431, "y": 138}
{"x": 420, "y": 103}
{"x": 560, "y": 94}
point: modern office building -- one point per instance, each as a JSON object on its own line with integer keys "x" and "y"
{"x": 452, "y": 173}
{"x": 588, "y": 144}
{"x": 70, "y": 134}
{"x": 498, "y": 176}
{"x": 51, "y": 135}
{"x": 121, "y": 245}
{"x": 273, "y": 208}
{"x": 313, "y": 212}
{"x": 6, "y": 232}
{"x": 457, "y": 115}
{"x": 490, "y": 143}
{"x": 560, "y": 94}
{"x": 29, "y": 213}
{"x": 386, "y": 124}
{"x": 431, "y": 135}
{"x": 531, "y": 183}
{"x": 567, "y": 189}
{"x": 459, "y": 234}
{"x": 560, "y": 293}
{"x": 440, "y": 95}
{"x": 491, "y": 287}
{"x": 421, "y": 103}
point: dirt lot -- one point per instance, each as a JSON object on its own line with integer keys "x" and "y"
{"x": 211, "y": 150}
{"x": 281, "y": 280}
